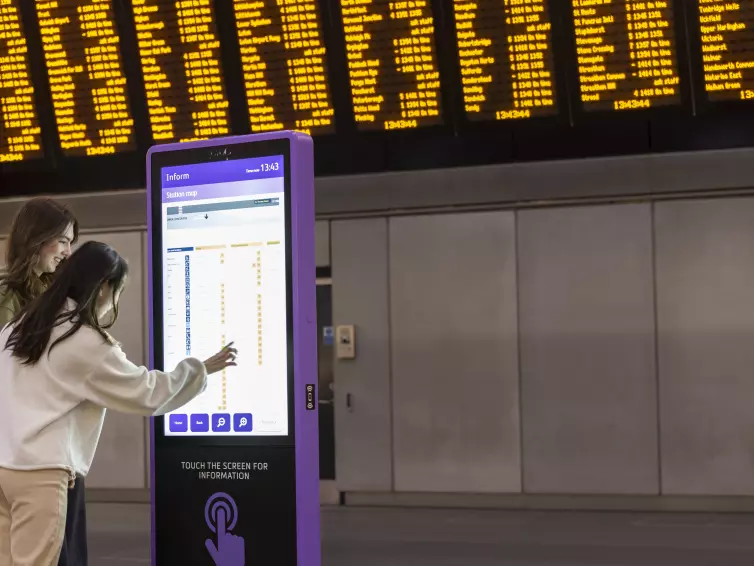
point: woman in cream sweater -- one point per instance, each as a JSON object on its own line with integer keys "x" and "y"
{"x": 60, "y": 371}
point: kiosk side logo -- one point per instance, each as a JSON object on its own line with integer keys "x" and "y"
{"x": 221, "y": 515}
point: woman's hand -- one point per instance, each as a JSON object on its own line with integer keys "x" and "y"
{"x": 224, "y": 358}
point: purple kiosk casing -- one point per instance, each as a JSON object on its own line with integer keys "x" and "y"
{"x": 278, "y": 514}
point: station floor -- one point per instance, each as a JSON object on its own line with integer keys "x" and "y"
{"x": 119, "y": 536}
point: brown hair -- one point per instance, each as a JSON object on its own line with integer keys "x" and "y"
{"x": 38, "y": 221}
{"x": 81, "y": 277}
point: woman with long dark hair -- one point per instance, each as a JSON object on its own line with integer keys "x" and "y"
{"x": 60, "y": 371}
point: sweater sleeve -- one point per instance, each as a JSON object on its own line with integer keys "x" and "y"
{"x": 120, "y": 385}
{"x": 9, "y": 305}
{"x": 6, "y": 315}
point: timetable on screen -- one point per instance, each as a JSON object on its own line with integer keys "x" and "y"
{"x": 626, "y": 54}
{"x": 505, "y": 57}
{"x": 727, "y": 34}
{"x": 179, "y": 49}
{"x": 20, "y": 134}
{"x": 393, "y": 71}
{"x": 87, "y": 82}
{"x": 284, "y": 65}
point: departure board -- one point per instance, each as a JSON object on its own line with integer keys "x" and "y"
{"x": 87, "y": 83}
{"x": 505, "y": 56}
{"x": 284, "y": 65}
{"x": 19, "y": 125}
{"x": 180, "y": 61}
{"x": 392, "y": 63}
{"x": 626, "y": 54}
{"x": 727, "y": 31}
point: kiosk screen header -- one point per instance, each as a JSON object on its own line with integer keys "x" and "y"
{"x": 224, "y": 279}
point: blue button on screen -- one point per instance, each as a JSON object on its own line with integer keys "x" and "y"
{"x": 221, "y": 423}
{"x": 242, "y": 422}
{"x": 199, "y": 423}
{"x": 178, "y": 423}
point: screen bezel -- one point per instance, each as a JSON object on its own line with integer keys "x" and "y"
{"x": 209, "y": 154}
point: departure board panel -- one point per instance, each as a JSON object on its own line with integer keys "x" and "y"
{"x": 727, "y": 31}
{"x": 505, "y": 57}
{"x": 284, "y": 65}
{"x": 626, "y": 54}
{"x": 19, "y": 125}
{"x": 180, "y": 60}
{"x": 85, "y": 72}
{"x": 392, "y": 63}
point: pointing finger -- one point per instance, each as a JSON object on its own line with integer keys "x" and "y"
{"x": 220, "y": 524}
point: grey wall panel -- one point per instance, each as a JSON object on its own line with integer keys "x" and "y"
{"x": 644, "y": 175}
{"x": 121, "y": 455}
{"x": 360, "y": 297}
{"x": 95, "y": 211}
{"x": 322, "y": 243}
{"x": 455, "y": 353}
{"x": 588, "y": 350}
{"x": 705, "y": 278}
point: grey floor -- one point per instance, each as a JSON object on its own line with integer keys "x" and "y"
{"x": 119, "y": 536}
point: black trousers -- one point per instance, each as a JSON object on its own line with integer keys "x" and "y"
{"x": 74, "y": 552}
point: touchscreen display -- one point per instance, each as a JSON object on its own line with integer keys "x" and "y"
{"x": 224, "y": 279}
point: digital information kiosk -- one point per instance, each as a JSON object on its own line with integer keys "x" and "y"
{"x": 231, "y": 258}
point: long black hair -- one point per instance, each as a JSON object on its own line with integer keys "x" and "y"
{"x": 80, "y": 278}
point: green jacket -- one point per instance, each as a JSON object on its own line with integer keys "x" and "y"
{"x": 10, "y": 304}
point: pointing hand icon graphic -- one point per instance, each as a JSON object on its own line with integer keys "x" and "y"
{"x": 229, "y": 550}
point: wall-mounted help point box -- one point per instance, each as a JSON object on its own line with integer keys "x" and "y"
{"x": 345, "y": 342}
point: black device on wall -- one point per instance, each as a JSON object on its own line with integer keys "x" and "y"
{"x": 381, "y": 85}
